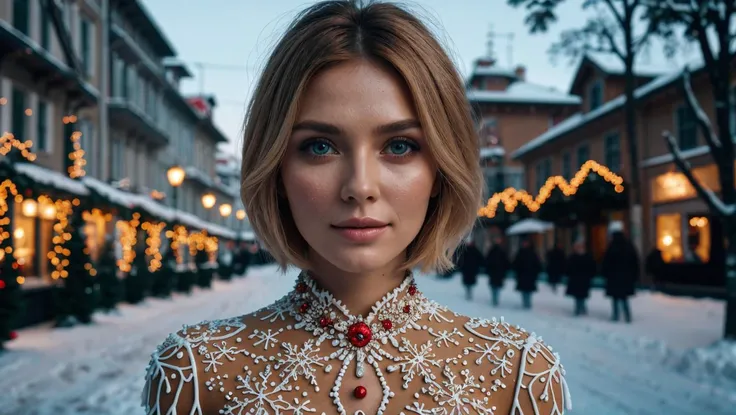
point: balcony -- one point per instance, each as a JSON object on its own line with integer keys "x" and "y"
{"x": 47, "y": 71}
{"x": 128, "y": 117}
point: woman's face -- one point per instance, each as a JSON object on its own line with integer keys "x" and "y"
{"x": 358, "y": 174}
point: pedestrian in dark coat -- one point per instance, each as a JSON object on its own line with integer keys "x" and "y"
{"x": 497, "y": 266}
{"x": 620, "y": 268}
{"x": 470, "y": 262}
{"x": 581, "y": 268}
{"x": 555, "y": 266}
{"x": 527, "y": 267}
{"x": 654, "y": 264}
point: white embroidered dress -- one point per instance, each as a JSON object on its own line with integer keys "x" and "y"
{"x": 307, "y": 354}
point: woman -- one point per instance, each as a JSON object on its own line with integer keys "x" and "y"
{"x": 360, "y": 163}
{"x": 581, "y": 268}
{"x": 620, "y": 268}
{"x": 470, "y": 261}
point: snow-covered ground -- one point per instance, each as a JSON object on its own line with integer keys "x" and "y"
{"x": 662, "y": 363}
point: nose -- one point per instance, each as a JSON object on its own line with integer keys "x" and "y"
{"x": 361, "y": 178}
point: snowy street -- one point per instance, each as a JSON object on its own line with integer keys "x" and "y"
{"x": 659, "y": 364}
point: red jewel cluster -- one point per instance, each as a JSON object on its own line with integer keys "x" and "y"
{"x": 359, "y": 334}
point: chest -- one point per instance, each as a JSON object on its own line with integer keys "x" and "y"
{"x": 282, "y": 371}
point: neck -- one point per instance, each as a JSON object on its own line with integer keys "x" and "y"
{"x": 358, "y": 291}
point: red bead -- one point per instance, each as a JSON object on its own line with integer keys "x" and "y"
{"x": 13, "y": 335}
{"x": 387, "y": 324}
{"x": 2, "y": 284}
{"x": 301, "y": 288}
{"x": 412, "y": 289}
{"x": 360, "y": 392}
{"x": 325, "y": 321}
{"x": 303, "y": 308}
{"x": 407, "y": 309}
{"x": 359, "y": 334}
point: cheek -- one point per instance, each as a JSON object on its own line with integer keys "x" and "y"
{"x": 305, "y": 190}
{"x": 410, "y": 188}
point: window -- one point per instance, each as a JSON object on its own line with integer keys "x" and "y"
{"x": 118, "y": 156}
{"x": 43, "y": 127}
{"x": 669, "y": 236}
{"x": 21, "y": 19}
{"x": 18, "y": 114}
{"x": 45, "y": 23}
{"x": 613, "y": 152}
{"x": 687, "y": 133}
{"x": 118, "y": 76}
{"x": 595, "y": 99}
{"x": 86, "y": 38}
{"x": 583, "y": 154}
{"x": 566, "y": 166}
{"x": 543, "y": 171}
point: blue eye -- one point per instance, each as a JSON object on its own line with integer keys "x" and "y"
{"x": 318, "y": 148}
{"x": 401, "y": 147}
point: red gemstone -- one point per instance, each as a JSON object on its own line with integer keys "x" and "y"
{"x": 360, "y": 392}
{"x": 412, "y": 289}
{"x": 2, "y": 284}
{"x": 301, "y": 287}
{"x": 407, "y": 309}
{"x": 359, "y": 334}
{"x": 387, "y": 324}
{"x": 13, "y": 335}
{"x": 303, "y": 308}
{"x": 325, "y": 321}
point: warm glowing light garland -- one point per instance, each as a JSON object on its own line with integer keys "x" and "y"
{"x": 179, "y": 236}
{"x": 8, "y": 142}
{"x": 76, "y": 170}
{"x": 59, "y": 256}
{"x": 153, "y": 243}
{"x": 511, "y": 197}
{"x": 7, "y": 188}
{"x": 128, "y": 237}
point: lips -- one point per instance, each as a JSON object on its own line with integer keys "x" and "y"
{"x": 361, "y": 230}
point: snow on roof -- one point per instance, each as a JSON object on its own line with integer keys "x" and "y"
{"x": 51, "y": 178}
{"x": 524, "y": 92}
{"x": 643, "y": 65}
{"x": 579, "y": 119}
{"x": 488, "y": 152}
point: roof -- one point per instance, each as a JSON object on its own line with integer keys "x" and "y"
{"x": 178, "y": 67}
{"x": 141, "y": 19}
{"x": 521, "y": 92}
{"x": 580, "y": 119}
{"x": 611, "y": 64}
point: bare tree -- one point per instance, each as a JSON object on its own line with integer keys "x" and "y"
{"x": 711, "y": 24}
{"x": 615, "y": 27}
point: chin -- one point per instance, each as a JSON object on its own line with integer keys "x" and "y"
{"x": 360, "y": 260}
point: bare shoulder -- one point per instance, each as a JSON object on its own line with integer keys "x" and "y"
{"x": 196, "y": 360}
{"x": 526, "y": 374}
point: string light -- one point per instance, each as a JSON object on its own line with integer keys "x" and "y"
{"x": 179, "y": 236}
{"x": 128, "y": 237}
{"x": 92, "y": 218}
{"x": 59, "y": 256}
{"x": 76, "y": 170}
{"x": 7, "y": 188}
{"x": 153, "y": 243}
{"x": 8, "y": 142}
{"x": 511, "y": 197}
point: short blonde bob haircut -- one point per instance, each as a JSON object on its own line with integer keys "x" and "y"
{"x": 326, "y": 34}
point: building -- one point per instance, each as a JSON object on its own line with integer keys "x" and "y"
{"x": 104, "y": 131}
{"x": 228, "y": 173}
{"x": 510, "y": 112}
{"x": 675, "y": 220}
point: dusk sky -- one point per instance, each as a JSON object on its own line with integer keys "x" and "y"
{"x": 234, "y": 38}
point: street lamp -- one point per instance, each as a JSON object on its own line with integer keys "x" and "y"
{"x": 208, "y": 200}
{"x": 225, "y": 210}
{"x": 176, "y": 175}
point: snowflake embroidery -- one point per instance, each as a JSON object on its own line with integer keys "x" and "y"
{"x": 456, "y": 397}
{"x": 267, "y": 339}
{"x": 445, "y": 337}
{"x": 416, "y": 361}
{"x": 261, "y": 397}
{"x": 294, "y": 362}
{"x": 212, "y": 359}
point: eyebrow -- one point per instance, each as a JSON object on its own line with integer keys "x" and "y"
{"x": 325, "y": 128}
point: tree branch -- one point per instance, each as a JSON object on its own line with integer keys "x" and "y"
{"x": 611, "y": 40}
{"x": 715, "y": 204}
{"x": 702, "y": 118}
{"x": 615, "y": 12}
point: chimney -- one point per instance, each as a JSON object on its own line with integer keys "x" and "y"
{"x": 520, "y": 72}
{"x": 485, "y": 62}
